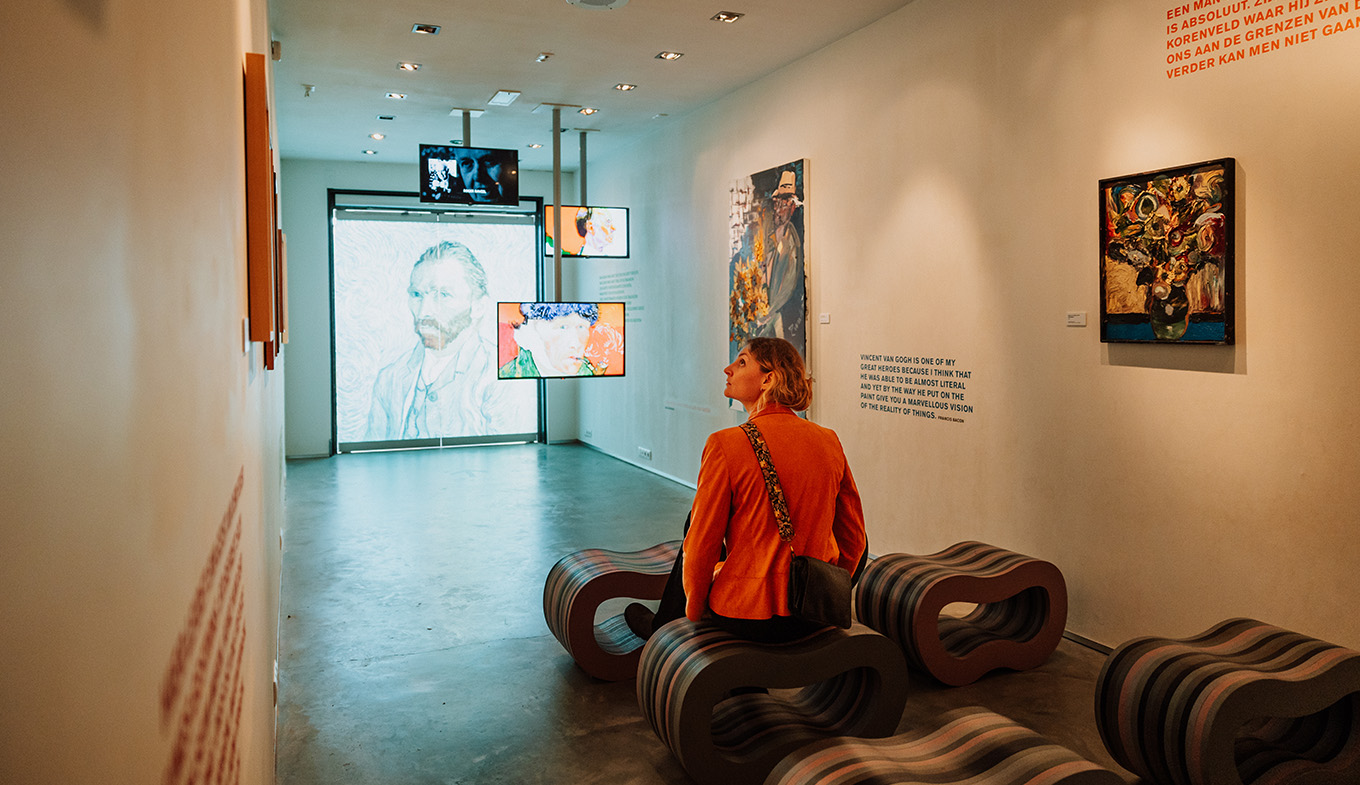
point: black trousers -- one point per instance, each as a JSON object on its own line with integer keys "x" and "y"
{"x": 780, "y": 629}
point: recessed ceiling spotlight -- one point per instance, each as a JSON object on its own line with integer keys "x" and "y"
{"x": 726, "y": 16}
{"x": 458, "y": 142}
{"x": 542, "y": 57}
{"x": 587, "y": 110}
{"x": 504, "y": 97}
{"x": 397, "y": 96}
{"x": 535, "y": 146}
{"x": 370, "y": 152}
{"x": 408, "y": 66}
{"x": 659, "y": 115}
{"x": 623, "y": 87}
{"x": 669, "y": 55}
{"x": 425, "y": 29}
{"x": 377, "y": 137}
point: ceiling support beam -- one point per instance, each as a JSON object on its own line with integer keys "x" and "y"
{"x": 557, "y": 202}
{"x": 581, "y": 175}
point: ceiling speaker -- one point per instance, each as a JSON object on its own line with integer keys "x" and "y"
{"x": 599, "y": 5}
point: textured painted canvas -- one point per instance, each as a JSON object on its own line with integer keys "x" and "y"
{"x": 768, "y": 294}
{"x": 1166, "y": 255}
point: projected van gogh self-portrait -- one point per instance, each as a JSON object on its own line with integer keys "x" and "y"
{"x": 415, "y": 332}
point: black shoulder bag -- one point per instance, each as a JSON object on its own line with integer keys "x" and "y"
{"x": 818, "y": 591}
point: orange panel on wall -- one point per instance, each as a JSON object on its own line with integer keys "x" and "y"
{"x": 259, "y": 200}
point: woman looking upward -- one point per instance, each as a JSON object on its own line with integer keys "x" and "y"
{"x": 746, "y": 592}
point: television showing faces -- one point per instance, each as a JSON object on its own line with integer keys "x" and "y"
{"x": 589, "y": 231}
{"x": 469, "y": 175}
{"x": 559, "y": 340}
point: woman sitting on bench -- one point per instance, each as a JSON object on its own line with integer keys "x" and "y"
{"x": 746, "y": 592}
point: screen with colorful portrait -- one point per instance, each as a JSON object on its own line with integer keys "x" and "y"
{"x": 559, "y": 340}
{"x": 589, "y": 231}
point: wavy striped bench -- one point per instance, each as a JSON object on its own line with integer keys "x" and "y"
{"x": 1018, "y": 622}
{"x": 576, "y": 586}
{"x": 848, "y": 683}
{"x": 971, "y": 746}
{"x": 1244, "y": 703}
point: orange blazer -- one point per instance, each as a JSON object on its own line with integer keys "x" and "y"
{"x": 732, "y": 505}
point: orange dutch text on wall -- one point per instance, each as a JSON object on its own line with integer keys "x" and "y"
{"x": 202, "y": 690}
{"x": 1206, "y": 34}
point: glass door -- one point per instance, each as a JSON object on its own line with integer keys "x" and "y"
{"x": 414, "y": 292}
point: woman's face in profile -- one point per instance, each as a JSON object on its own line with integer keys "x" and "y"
{"x": 745, "y": 379}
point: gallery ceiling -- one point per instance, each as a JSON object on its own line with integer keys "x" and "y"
{"x": 350, "y": 51}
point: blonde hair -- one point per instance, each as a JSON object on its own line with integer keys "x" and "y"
{"x": 792, "y": 386}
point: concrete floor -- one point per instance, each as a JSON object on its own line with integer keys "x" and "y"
{"x": 413, "y": 648}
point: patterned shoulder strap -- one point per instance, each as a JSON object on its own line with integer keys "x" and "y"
{"x": 781, "y": 507}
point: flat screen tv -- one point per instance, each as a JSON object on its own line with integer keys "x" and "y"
{"x": 589, "y": 231}
{"x": 559, "y": 340}
{"x": 469, "y": 175}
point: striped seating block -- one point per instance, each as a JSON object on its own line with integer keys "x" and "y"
{"x": 835, "y": 682}
{"x": 1244, "y": 703}
{"x": 1019, "y": 619}
{"x": 576, "y": 586}
{"x": 971, "y": 746}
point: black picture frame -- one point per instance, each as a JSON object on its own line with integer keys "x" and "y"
{"x": 1167, "y": 255}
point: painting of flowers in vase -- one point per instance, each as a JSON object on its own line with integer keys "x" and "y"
{"x": 1166, "y": 261}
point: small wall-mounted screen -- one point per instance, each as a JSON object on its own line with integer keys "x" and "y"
{"x": 589, "y": 231}
{"x": 469, "y": 175}
{"x": 559, "y": 340}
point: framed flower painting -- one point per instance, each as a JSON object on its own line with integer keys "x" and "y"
{"x": 1166, "y": 255}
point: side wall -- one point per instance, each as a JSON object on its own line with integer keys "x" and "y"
{"x": 954, "y": 151}
{"x": 303, "y": 186}
{"x": 141, "y": 441}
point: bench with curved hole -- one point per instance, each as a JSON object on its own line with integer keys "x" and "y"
{"x": 832, "y": 683}
{"x": 1243, "y": 703}
{"x": 576, "y": 586}
{"x": 968, "y": 746}
{"x": 1018, "y": 622}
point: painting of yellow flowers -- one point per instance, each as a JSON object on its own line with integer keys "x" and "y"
{"x": 768, "y": 294}
{"x": 1166, "y": 255}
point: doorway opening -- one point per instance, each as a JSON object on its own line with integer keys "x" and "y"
{"x": 414, "y": 289}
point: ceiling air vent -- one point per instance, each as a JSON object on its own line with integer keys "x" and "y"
{"x": 599, "y": 5}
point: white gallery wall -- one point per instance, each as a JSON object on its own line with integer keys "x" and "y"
{"x": 141, "y": 441}
{"x": 954, "y": 151}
